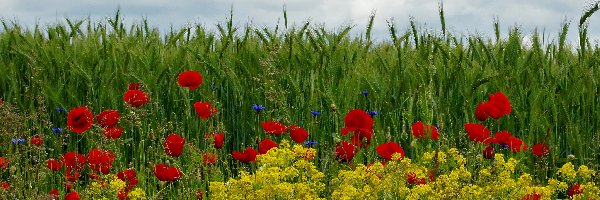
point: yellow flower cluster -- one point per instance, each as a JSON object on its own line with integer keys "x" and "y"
{"x": 117, "y": 184}
{"x": 94, "y": 189}
{"x": 137, "y": 194}
{"x": 452, "y": 180}
{"x": 567, "y": 172}
{"x": 285, "y": 172}
{"x": 99, "y": 189}
{"x": 392, "y": 180}
{"x": 585, "y": 173}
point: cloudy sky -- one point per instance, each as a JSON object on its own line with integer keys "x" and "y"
{"x": 462, "y": 16}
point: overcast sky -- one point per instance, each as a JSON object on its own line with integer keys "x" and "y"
{"x": 462, "y": 16}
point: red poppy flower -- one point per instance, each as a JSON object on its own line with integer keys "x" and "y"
{"x": 5, "y": 185}
{"x": 80, "y": 120}
{"x": 540, "y": 150}
{"x": 54, "y": 193}
{"x": 494, "y": 112}
{"x": 160, "y": 172}
{"x": 128, "y": 176}
{"x": 72, "y": 174}
{"x": 73, "y": 160}
{"x": 574, "y": 190}
{"x": 487, "y": 109}
{"x": 488, "y": 152}
{"x": 411, "y": 178}
{"x": 501, "y": 102}
{"x": 481, "y": 112}
{"x": 3, "y": 163}
{"x": 204, "y": 110}
{"x": 218, "y": 139}
{"x": 209, "y": 158}
{"x": 497, "y": 106}
{"x": 501, "y": 138}
{"x": 72, "y": 196}
{"x": 135, "y": 98}
{"x": 101, "y": 160}
{"x": 190, "y": 79}
{"x": 174, "y": 145}
{"x": 532, "y": 196}
{"x": 37, "y": 141}
{"x": 108, "y": 118}
{"x": 273, "y": 127}
{"x": 345, "y": 152}
{"x": 54, "y": 165}
{"x": 431, "y": 176}
{"x": 386, "y": 150}
{"x": 249, "y": 155}
{"x": 298, "y": 134}
{"x": 113, "y": 132}
{"x": 359, "y": 122}
{"x": 123, "y": 195}
{"x": 357, "y": 119}
{"x": 421, "y": 181}
{"x": 266, "y": 145}
{"x": 420, "y": 130}
{"x": 166, "y": 173}
{"x": 477, "y": 132}
{"x": 516, "y": 144}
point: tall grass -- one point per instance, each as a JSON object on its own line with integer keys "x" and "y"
{"x": 417, "y": 76}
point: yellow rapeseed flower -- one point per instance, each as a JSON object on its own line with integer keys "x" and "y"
{"x": 117, "y": 184}
{"x": 585, "y": 173}
{"x": 567, "y": 172}
{"x": 453, "y": 152}
{"x": 94, "y": 189}
{"x": 499, "y": 160}
{"x": 485, "y": 173}
{"x": 441, "y": 157}
{"x": 284, "y": 173}
{"x": 428, "y": 156}
{"x": 137, "y": 194}
{"x": 525, "y": 180}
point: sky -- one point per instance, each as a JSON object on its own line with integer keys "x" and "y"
{"x": 463, "y": 17}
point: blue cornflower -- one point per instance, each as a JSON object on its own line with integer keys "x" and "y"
{"x": 315, "y": 113}
{"x": 60, "y": 110}
{"x": 373, "y": 113}
{"x": 311, "y": 143}
{"x": 18, "y": 140}
{"x": 57, "y": 130}
{"x": 365, "y": 92}
{"x": 504, "y": 146}
{"x": 258, "y": 107}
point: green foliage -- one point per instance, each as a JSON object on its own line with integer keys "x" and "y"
{"x": 417, "y": 76}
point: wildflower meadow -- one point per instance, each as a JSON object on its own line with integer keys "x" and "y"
{"x": 103, "y": 110}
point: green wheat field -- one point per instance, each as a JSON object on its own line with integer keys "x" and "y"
{"x": 436, "y": 77}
